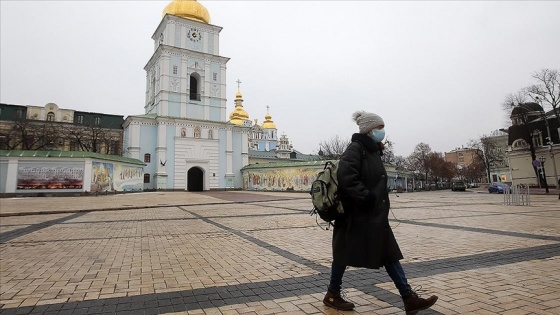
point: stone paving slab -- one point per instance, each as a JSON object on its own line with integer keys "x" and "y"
{"x": 262, "y": 253}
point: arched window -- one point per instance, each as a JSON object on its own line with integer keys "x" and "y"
{"x": 197, "y": 132}
{"x": 519, "y": 144}
{"x": 210, "y": 134}
{"x": 194, "y": 93}
{"x": 50, "y": 116}
{"x": 537, "y": 138}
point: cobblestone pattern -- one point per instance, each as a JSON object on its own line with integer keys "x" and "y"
{"x": 262, "y": 253}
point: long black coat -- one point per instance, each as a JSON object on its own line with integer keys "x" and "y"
{"x": 364, "y": 238}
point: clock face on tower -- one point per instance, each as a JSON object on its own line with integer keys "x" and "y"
{"x": 194, "y": 35}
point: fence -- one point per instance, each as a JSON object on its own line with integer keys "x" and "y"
{"x": 517, "y": 196}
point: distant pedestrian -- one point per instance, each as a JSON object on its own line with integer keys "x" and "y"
{"x": 363, "y": 238}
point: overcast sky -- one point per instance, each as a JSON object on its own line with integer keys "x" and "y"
{"x": 436, "y": 72}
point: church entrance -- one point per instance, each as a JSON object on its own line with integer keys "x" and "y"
{"x": 195, "y": 179}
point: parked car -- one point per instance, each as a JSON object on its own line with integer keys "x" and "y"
{"x": 458, "y": 186}
{"x": 499, "y": 188}
{"x": 473, "y": 185}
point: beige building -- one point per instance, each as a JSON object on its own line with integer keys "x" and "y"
{"x": 49, "y": 127}
{"x": 461, "y": 157}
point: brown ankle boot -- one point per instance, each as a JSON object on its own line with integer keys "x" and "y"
{"x": 414, "y": 303}
{"x": 334, "y": 300}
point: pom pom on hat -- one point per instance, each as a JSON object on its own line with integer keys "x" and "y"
{"x": 367, "y": 121}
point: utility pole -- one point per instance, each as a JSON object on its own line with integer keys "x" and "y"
{"x": 549, "y": 143}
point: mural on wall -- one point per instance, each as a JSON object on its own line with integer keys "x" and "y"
{"x": 45, "y": 176}
{"x": 115, "y": 176}
{"x": 102, "y": 176}
{"x": 289, "y": 179}
{"x": 128, "y": 178}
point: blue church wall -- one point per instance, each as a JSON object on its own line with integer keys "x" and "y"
{"x": 174, "y": 105}
{"x": 222, "y": 146}
{"x": 215, "y": 113}
{"x": 148, "y": 136}
{"x": 237, "y": 160}
{"x": 215, "y": 68}
{"x": 170, "y": 155}
{"x": 211, "y": 45}
{"x": 175, "y": 61}
{"x": 195, "y": 111}
{"x": 177, "y": 37}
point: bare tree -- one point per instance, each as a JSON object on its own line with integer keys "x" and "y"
{"x": 488, "y": 153}
{"x": 333, "y": 148}
{"x": 547, "y": 89}
{"x": 388, "y": 156}
{"x": 27, "y": 134}
{"x": 474, "y": 171}
{"x": 418, "y": 160}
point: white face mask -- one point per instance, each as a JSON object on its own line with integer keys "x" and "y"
{"x": 378, "y": 135}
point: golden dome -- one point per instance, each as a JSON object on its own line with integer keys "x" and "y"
{"x": 239, "y": 114}
{"x": 268, "y": 123}
{"x": 189, "y": 9}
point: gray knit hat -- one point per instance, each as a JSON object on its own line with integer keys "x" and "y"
{"x": 367, "y": 121}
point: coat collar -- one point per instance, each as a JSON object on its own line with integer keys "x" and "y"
{"x": 367, "y": 142}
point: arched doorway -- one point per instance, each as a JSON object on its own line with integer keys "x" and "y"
{"x": 195, "y": 179}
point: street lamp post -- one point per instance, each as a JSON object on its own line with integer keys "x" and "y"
{"x": 549, "y": 140}
{"x": 542, "y": 159}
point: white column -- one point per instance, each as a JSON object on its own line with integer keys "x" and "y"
{"x": 11, "y": 175}
{"x": 87, "y": 175}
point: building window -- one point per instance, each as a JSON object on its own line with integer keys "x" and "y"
{"x": 175, "y": 68}
{"x": 194, "y": 93}
{"x": 19, "y": 113}
{"x": 537, "y": 139}
{"x": 74, "y": 146}
{"x": 215, "y": 76}
{"x": 147, "y": 157}
{"x": 97, "y": 121}
{"x": 146, "y": 178}
{"x": 80, "y": 119}
{"x": 115, "y": 148}
{"x": 197, "y": 132}
{"x": 50, "y": 116}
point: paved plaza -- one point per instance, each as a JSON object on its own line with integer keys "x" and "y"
{"x": 237, "y": 252}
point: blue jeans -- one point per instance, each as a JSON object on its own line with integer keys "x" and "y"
{"x": 394, "y": 270}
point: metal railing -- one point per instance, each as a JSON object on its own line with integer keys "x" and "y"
{"x": 517, "y": 196}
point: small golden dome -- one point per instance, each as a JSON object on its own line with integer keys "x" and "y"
{"x": 268, "y": 123}
{"x": 238, "y": 95}
{"x": 189, "y": 9}
{"x": 238, "y": 115}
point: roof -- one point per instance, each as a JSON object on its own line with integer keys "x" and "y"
{"x": 272, "y": 155}
{"x": 69, "y": 154}
{"x": 283, "y": 164}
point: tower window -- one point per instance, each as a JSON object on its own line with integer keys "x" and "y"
{"x": 175, "y": 68}
{"x": 194, "y": 88}
{"x": 147, "y": 157}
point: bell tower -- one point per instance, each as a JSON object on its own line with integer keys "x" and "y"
{"x": 186, "y": 76}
